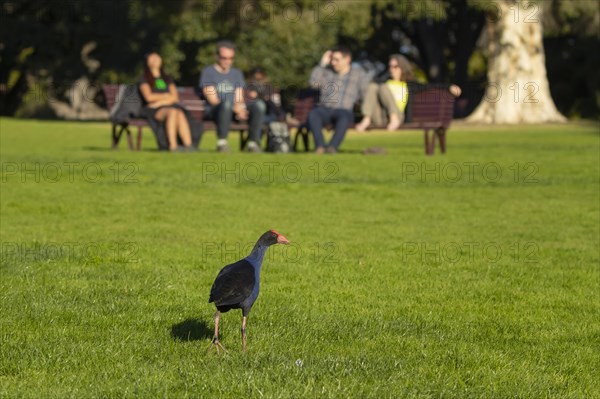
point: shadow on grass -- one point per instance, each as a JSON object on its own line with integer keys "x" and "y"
{"x": 191, "y": 330}
{"x": 90, "y": 148}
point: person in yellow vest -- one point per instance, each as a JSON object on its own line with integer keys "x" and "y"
{"x": 385, "y": 103}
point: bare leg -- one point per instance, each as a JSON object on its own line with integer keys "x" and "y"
{"x": 369, "y": 106}
{"x": 391, "y": 108}
{"x": 184, "y": 129}
{"x": 364, "y": 124}
{"x": 171, "y": 127}
{"x": 216, "y": 344}
{"x": 395, "y": 122}
{"x": 244, "y": 318}
{"x": 161, "y": 114}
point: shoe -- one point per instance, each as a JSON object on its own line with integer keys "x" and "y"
{"x": 319, "y": 150}
{"x": 252, "y": 146}
{"x": 223, "y": 148}
{"x": 331, "y": 150}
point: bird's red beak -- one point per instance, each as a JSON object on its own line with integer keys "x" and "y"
{"x": 282, "y": 240}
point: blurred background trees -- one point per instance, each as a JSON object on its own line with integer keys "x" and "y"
{"x": 54, "y": 54}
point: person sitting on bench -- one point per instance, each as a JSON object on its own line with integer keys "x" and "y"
{"x": 160, "y": 103}
{"x": 385, "y": 103}
{"x": 259, "y": 86}
{"x": 341, "y": 86}
{"x": 223, "y": 86}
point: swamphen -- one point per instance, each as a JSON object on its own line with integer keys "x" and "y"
{"x": 237, "y": 284}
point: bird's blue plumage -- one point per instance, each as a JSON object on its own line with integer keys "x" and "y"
{"x": 234, "y": 287}
{"x": 237, "y": 285}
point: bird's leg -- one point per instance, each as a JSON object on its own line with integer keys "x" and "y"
{"x": 217, "y": 318}
{"x": 244, "y": 318}
{"x": 215, "y": 343}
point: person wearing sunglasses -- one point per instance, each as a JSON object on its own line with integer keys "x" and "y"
{"x": 385, "y": 104}
{"x": 222, "y": 86}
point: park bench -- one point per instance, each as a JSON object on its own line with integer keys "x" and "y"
{"x": 188, "y": 98}
{"x": 430, "y": 110}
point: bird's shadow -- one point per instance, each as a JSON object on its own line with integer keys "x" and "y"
{"x": 191, "y": 330}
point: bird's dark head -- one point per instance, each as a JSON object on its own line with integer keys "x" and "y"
{"x": 272, "y": 237}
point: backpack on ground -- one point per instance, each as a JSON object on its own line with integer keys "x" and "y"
{"x": 278, "y": 138}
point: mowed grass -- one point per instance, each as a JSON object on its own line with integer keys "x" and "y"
{"x": 472, "y": 274}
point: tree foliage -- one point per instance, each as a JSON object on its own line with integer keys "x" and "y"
{"x": 41, "y": 41}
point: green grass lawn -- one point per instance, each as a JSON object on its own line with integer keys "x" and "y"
{"x": 470, "y": 274}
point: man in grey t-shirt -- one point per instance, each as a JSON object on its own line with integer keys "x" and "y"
{"x": 223, "y": 88}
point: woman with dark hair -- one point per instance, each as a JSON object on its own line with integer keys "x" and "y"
{"x": 385, "y": 103}
{"x": 160, "y": 98}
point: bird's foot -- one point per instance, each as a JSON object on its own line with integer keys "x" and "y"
{"x": 217, "y": 345}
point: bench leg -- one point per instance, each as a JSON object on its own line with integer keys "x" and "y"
{"x": 296, "y": 137}
{"x": 441, "y": 134}
{"x": 427, "y": 142}
{"x": 243, "y": 140}
{"x": 115, "y": 137}
{"x": 117, "y": 132}
{"x": 302, "y": 133}
{"x": 129, "y": 139}
{"x": 305, "y": 138}
{"x": 138, "y": 144}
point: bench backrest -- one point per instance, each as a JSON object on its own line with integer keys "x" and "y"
{"x": 426, "y": 106}
{"x": 305, "y": 101}
{"x": 188, "y": 97}
{"x": 432, "y": 105}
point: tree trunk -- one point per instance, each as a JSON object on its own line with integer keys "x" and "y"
{"x": 518, "y": 90}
